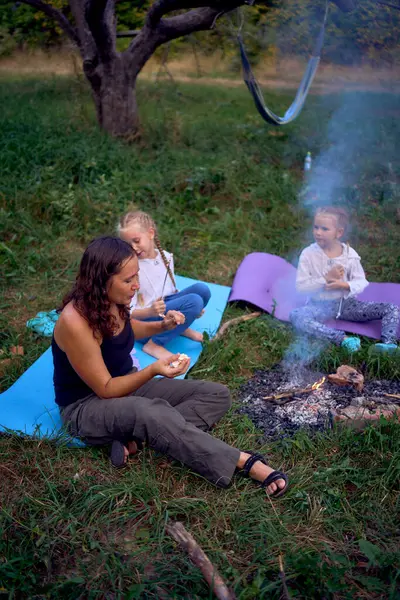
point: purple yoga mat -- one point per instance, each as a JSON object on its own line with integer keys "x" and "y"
{"x": 269, "y": 282}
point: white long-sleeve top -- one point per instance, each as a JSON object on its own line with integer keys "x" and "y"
{"x": 152, "y": 273}
{"x": 314, "y": 264}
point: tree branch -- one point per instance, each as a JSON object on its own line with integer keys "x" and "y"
{"x": 197, "y": 19}
{"x": 157, "y": 31}
{"x": 100, "y": 18}
{"x": 162, "y": 7}
{"x": 148, "y": 39}
{"x": 57, "y": 15}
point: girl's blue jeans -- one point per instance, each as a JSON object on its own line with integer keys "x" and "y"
{"x": 190, "y": 302}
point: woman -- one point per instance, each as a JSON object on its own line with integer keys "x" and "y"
{"x": 104, "y": 400}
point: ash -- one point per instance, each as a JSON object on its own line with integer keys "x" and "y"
{"x": 311, "y": 411}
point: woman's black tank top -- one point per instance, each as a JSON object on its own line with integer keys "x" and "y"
{"x": 69, "y": 387}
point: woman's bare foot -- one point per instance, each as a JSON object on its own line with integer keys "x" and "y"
{"x": 155, "y": 350}
{"x": 193, "y": 335}
{"x": 260, "y": 472}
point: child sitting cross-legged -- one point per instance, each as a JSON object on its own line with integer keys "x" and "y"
{"x": 157, "y": 293}
{"x": 330, "y": 273}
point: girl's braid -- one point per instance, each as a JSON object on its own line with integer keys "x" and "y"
{"x": 165, "y": 261}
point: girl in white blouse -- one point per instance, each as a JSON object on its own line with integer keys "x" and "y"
{"x": 330, "y": 273}
{"x": 157, "y": 293}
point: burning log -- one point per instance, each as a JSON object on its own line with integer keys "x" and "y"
{"x": 346, "y": 375}
{"x": 286, "y": 396}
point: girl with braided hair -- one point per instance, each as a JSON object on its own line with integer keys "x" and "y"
{"x": 158, "y": 292}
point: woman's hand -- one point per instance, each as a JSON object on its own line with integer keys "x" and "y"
{"x": 158, "y": 308}
{"x": 335, "y": 273}
{"x": 172, "y": 319}
{"x": 163, "y": 366}
{"x": 337, "y": 285}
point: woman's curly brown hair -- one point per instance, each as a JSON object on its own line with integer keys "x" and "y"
{"x": 102, "y": 259}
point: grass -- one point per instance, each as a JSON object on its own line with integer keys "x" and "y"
{"x": 220, "y": 185}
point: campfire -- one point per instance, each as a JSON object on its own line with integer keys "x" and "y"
{"x": 280, "y": 408}
{"x": 287, "y": 396}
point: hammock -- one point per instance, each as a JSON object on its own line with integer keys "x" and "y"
{"x": 304, "y": 87}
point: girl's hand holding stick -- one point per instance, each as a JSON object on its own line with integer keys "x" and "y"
{"x": 335, "y": 273}
{"x": 161, "y": 299}
{"x": 158, "y": 308}
{"x": 172, "y": 319}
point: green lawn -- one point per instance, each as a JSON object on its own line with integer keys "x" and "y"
{"x": 220, "y": 184}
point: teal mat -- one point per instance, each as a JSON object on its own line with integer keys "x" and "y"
{"x": 28, "y": 406}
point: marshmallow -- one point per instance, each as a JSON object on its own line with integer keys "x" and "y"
{"x": 180, "y": 358}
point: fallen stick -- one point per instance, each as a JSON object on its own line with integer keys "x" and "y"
{"x": 392, "y": 396}
{"x": 177, "y": 531}
{"x": 282, "y": 574}
{"x": 231, "y": 322}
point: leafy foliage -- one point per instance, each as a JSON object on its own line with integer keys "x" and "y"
{"x": 371, "y": 32}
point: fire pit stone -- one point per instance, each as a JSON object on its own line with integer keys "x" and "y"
{"x": 359, "y": 417}
{"x": 346, "y": 375}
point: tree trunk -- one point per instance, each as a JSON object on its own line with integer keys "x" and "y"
{"x": 113, "y": 75}
{"x": 114, "y": 92}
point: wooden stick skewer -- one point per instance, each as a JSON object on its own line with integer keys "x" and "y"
{"x": 392, "y": 396}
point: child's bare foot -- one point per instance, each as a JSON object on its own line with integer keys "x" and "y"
{"x": 201, "y": 314}
{"x": 260, "y": 472}
{"x": 155, "y": 350}
{"x": 193, "y": 335}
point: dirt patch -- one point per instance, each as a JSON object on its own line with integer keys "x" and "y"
{"x": 26, "y": 304}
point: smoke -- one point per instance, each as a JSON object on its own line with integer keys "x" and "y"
{"x": 355, "y": 165}
{"x": 354, "y": 149}
{"x": 300, "y": 354}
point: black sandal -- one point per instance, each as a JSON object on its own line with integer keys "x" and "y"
{"x": 117, "y": 455}
{"x": 272, "y": 477}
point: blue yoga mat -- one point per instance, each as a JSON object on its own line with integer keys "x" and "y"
{"x": 28, "y": 406}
